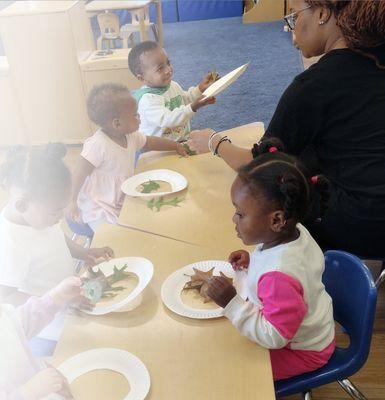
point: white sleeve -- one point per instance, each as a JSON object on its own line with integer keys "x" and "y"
{"x": 15, "y": 265}
{"x": 249, "y": 321}
{"x": 156, "y": 113}
{"x": 191, "y": 95}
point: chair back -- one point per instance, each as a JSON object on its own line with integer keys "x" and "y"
{"x": 109, "y": 25}
{"x": 136, "y": 15}
{"x": 350, "y": 284}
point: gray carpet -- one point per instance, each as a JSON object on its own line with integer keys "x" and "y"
{"x": 223, "y": 44}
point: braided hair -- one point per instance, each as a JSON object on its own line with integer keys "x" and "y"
{"x": 39, "y": 171}
{"x": 362, "y": 23}
{"x": 283, "y": 180}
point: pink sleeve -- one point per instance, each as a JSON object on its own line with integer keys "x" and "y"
{"x": 36, "y": 314}
{"x": 140, "y": 139}
{"x": 93, "y": 151}
{"x": 283, "y": 303}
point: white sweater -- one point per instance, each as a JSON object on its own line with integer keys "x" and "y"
{"x": 287, "y": 304}
{"x": 169, "y": 114}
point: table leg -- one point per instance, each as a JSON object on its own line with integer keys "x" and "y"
{"x": 159, "y": 21}
{"x": 142, "y": 26}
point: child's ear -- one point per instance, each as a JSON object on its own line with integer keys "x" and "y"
{"x": 277, "y": 221}
{"x": 115, "y": 123}
{"x": 21, "y": 205}
{"x": 140, "y": 77}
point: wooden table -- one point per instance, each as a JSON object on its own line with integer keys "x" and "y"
{"x": 97, "y": 6}
{"x": 187, "y": 359}
{"x": 205, "y": 215}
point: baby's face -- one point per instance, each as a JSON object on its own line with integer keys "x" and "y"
{"x": 129, "y": 120}
{"x": 156, "y": 68}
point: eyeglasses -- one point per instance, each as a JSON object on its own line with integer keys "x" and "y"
{"x": 291, "y": 19}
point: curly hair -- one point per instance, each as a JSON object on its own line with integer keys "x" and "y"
{"x": 362, "y": 23}
{"x": 284, "y": 180}
{"x": 39, "y": 171}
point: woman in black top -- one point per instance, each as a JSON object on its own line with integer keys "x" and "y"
{"x": 333, "y": 117}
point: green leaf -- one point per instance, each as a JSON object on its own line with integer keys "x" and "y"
{"x": 150, "y": 186}
{"x": 188, "y": 150}
{"x": 160, "y": 202}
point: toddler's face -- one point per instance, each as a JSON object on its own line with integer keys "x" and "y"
{"x": 129, "y": 120}
{"x": 252, "y": 219}
{"x": 156, "y": 68}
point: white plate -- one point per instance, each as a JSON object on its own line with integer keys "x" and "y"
{"x": 225, "y": 81}
{"x": 173, "y": 285}
{"x": 141, "y": 267}
{"x": 112, "y": 359}
{"x": 177, "y": 181}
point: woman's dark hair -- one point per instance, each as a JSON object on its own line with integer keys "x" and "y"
{"x": 39, "y": 171}
{"x": 362, "y": 23}
{"x": 283, "y": 180}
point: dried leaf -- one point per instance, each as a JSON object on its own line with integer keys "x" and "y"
{"x": 199, "y": 281}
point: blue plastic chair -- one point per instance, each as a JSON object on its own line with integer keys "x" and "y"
{"x": 350, "y": 285}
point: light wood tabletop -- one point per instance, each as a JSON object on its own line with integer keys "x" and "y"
{"x": 96, "y": 6}
{"x": 205, "y": 214}
{"x": 187, "y": 359}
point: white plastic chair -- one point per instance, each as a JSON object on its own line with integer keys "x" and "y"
{"x": 128, "y": 30}
{"x": 110, "y": 30}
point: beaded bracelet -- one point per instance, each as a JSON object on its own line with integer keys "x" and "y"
{"x": 224, "y": 139}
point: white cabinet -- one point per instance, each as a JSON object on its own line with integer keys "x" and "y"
{"x": 44, "y": 42}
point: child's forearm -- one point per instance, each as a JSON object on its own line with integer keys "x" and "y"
{"x": 76, "y": 250}
{"x": 160, "y": 144}
{"x": 84, "y": 169}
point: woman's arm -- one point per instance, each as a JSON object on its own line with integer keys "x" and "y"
{"x": 233, "y": 155}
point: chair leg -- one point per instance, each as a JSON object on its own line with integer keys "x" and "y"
{"x": 380, "y": 279}
{"x": 306, "y": 395}
{"x": 351, "y": 390}
{"x": 155, "y": 32}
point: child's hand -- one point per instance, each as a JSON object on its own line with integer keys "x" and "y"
{"x": 97, "y": 255}
{"x": 69, "y": 291}
{"x": 207, "y": 81}
{"x": 46, "y": 382}
{"x": 180, "y": 149}
{"x": 239, "y": 260}
{"x": 221, "y": 290}
{"x": 202, "y": 101}
{"x": 74, "y": 213}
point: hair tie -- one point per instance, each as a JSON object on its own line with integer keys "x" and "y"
{"x": 272, "y": 149}
{"x": 314, "y": 179}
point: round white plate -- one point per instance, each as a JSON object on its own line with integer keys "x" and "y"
{"x": 177, "y": 181}
{"x": 173, "y": 285}
{"x": 112, "y": 359}
{"x": 141, "y": 267}
{"x": 225, "y": 81}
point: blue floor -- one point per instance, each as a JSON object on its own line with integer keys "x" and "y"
{"x": 223, "y": 44}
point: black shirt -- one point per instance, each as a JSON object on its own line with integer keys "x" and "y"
{"x": 337, "y": 107}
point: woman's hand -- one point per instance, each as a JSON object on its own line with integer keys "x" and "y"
{"x": 199, "y": 140}
{"x": 46, "y": 382}
{"x": 221, "y": 290}
{"x": 239, "y": 260}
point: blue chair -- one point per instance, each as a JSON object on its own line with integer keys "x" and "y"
{"x": 350, "y": 285}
